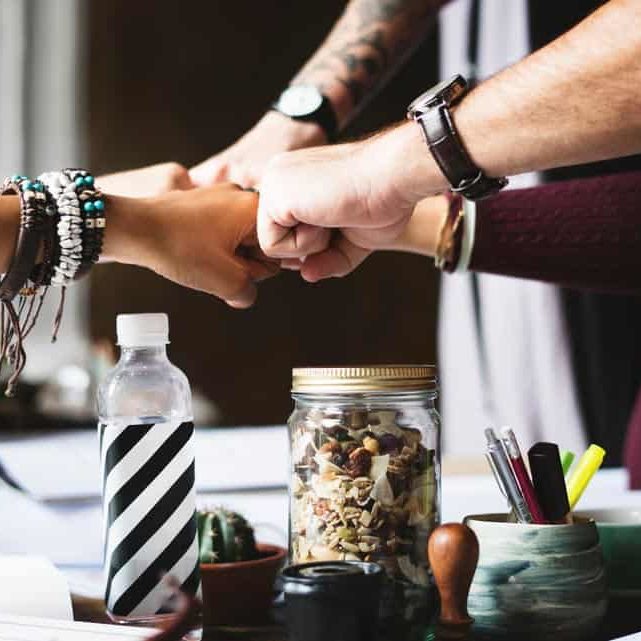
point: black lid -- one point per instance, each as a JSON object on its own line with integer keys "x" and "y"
{"x": 331, "y": 575}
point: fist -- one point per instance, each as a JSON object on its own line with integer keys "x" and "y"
{"x": 328, "y": 207}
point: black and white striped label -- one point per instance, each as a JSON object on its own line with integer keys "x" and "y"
{"x": 149, "y": 514}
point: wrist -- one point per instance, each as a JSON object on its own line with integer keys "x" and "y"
{"x": 294, "y": 134}
{"x": 407, "y": 163}
{"x": 421, "y": 235}
{"x": 129, "y": 231}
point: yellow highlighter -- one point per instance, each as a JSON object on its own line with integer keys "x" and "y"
{"x": 583, "y": 472}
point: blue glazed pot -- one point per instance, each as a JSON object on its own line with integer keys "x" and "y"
{"x": 537, "y": 581}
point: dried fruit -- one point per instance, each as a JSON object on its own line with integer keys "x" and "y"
{"x": 389, "y": 444}
{"x": 359, "y": 463}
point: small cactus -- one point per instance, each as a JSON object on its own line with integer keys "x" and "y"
{"x": 225, "y": 537}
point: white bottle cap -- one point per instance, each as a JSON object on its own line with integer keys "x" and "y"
{"x": 142, "y": 330}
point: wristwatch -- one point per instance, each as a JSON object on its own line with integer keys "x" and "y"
{"x": 308, "y": 104}
{"x": 431, "y": 111}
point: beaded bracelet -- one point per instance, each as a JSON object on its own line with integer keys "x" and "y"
{"x": 93, "y": 209}
{"x": 82, "y": 222}
{"x": 69, "y": 227}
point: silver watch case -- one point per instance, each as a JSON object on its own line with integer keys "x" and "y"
{"x": 445, "y": 93}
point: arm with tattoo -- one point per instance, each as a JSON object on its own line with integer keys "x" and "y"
{"x": 369, "y": 42}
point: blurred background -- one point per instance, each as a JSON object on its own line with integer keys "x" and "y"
{"x": 120, "y": 84}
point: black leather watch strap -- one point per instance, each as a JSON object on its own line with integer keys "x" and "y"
{"x": 451, "y": 156}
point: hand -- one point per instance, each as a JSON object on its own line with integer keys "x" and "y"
{"x": 147, "y": 181}
{"x": 201, "y": 238}
{"x": 367, "y": 190}
{"x": 244, "y": 162}
{"x": 420, "y": 236}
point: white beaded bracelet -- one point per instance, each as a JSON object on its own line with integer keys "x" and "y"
{"x": 63, "y": 190}
{"x": 467, "y": 240}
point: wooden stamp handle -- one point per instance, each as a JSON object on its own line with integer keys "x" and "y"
{"x": 453, "y": 552}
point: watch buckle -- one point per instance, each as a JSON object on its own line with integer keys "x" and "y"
{"x": 466, "y": 183}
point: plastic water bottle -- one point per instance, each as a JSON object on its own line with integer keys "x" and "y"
{"x": 147, "y": 461}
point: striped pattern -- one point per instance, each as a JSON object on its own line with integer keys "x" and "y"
{"x": 149, "y": 515}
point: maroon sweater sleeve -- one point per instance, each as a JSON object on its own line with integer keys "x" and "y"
{"x": 578, "y": 233}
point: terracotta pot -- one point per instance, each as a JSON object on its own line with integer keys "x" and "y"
{"x": 241, "y": 593}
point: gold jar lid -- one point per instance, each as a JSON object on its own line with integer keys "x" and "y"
{"x": 367, "y": 378}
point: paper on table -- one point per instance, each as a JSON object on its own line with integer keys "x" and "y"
{"x": 66, "y": 466}
{"x": 631, "y": 637}
{"x": 32, "y": 584}
{"x": 66, "y": 534}
{"x": 21, "y": 628}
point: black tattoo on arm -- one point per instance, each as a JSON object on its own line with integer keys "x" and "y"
{"x": 368, "y": 42}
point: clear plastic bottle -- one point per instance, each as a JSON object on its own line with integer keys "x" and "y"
{"x": 147, "y": 464}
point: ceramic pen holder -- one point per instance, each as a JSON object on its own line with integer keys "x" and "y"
{"x": 536, "y": 581}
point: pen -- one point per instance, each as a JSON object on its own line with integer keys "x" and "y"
{"x": 567, "y": 458}
{"x": 585, "y": 469}
{"x": 503, "y": 470}
{"x": 549, "y": 483}
{"x": 527, "y": 489}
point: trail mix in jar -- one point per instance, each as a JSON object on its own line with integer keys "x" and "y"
{"x": 363, "y": 488}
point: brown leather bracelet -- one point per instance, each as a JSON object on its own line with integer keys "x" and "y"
{"x": 30, "y": 234}
{"x": 448, "y": 249}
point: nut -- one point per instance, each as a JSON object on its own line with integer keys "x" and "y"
{"x": 349, "y": 547}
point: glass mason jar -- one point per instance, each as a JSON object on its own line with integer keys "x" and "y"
{"x": 365, "y": 476}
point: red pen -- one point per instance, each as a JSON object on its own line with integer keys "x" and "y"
{"x": 527, "y": 489}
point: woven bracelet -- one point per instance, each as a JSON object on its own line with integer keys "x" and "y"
{"x": 21, "y": 316}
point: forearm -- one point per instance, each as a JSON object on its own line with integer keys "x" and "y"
{"x": 369, "y": 41}
{"x": 572, "y": 102}
{"x": 581, "y": 233}
{"x": 578, "y": 233}
{"x": 128, "y": 232}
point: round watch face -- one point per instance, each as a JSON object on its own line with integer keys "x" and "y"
{"x": 300, "y": 100}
